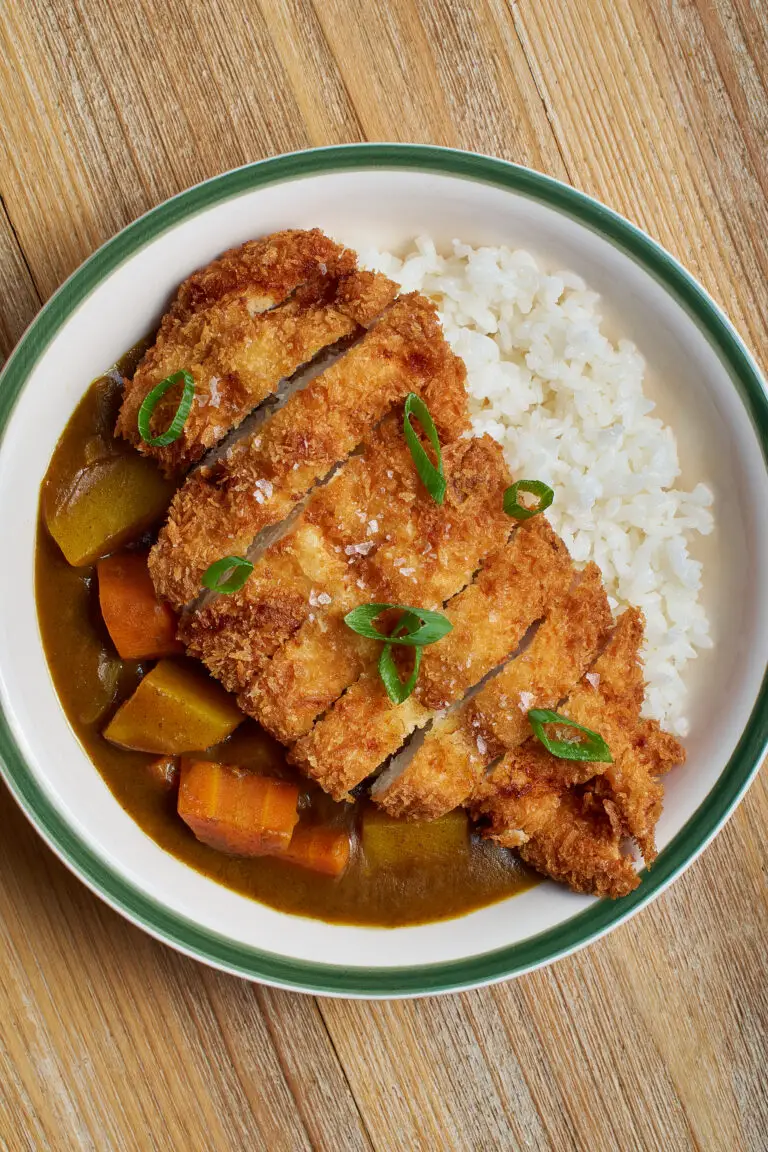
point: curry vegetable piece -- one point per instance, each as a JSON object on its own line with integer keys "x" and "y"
{"x": 389, "y": 843}
{"x": 141, "y": 626}
{"x": 319, "y": 849}
{"x": 106, "y": 505}
{"x": 174, "y": 709}
{"x": 236, "y": 811}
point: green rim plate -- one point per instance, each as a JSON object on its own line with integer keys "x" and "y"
{"x": 602, "y": 915}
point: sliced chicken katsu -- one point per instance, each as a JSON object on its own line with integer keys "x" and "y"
{"x": 441, "y": 773}
{"x": 340, "y": 554}
{"x": 555, "y": 829}
{"x": 489, "y": 618}
{"x": 237, "y": 359}
{"x": 607, "y": 700}
{"x": 221, "y": 328}
{"x": 263, "y": 271}
{"x": 400, "y": 548}
{"x": 220, "y": 509}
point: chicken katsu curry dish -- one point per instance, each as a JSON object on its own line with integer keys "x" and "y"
{"x": 365, "y": 585}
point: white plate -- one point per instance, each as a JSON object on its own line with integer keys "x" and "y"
{"x": 383, "y": 195}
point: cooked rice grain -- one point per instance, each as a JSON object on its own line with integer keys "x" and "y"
{"x": 568, "y": 406}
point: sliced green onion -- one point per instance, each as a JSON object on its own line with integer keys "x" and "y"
{"x": 433, "y": 478}
{"x": 153, "y": 398}
{"x": 228, "y": 574}
{"x": 425, "y": 628}
{"x": 399, "y": 690}
{"x": 592, "y": 747}
{"x": 512, "y": 505}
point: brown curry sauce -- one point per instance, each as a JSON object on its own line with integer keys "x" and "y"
{"x": 91, "y": 681}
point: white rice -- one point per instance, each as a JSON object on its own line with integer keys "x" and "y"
{"x": 568, "y": 407}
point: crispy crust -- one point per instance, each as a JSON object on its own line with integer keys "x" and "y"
{"x": 414, "y": 553}
{"x": 611, "y": 706}
{"x": 265, "y": 271}
{"x": 236, "y": 635}
{"x": 512, "y": 591}
{"x": 658, "y": 750}
{"x": 444, "y": 770}
{"x": 489, "y": 619}
{"x": 237, "y": 359}
{"x": 554, "y": 829}
{"x": 310, "y": 576}
{"x": 624, "y": 795}
{"x": 221, "y": 509}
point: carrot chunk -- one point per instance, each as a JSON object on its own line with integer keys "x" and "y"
{"x": 236, "y": 811}
{"x": 320, "y": 849}
{"x": 141, "y": 626}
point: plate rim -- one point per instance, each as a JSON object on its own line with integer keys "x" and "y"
{"x": 587, "y": 926}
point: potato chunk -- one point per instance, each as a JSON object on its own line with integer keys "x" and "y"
{"x": 174, "y": 709}
{"x": 235, "y": 811}
{"x": 388, "y": 842}
{"x": 106, "y": 504}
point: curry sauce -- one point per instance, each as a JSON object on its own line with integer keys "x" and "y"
{"x": 393, "y": 888}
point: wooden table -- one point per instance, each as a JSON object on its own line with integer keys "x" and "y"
{"x": 653, "y": 1038}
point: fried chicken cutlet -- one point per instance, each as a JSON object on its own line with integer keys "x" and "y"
{"x": 442, "y": 772}
{"x": 532, "y": 801}
{"x": 221, "y": 509}
{"x": 239, "y": 326}
{"x": 400, "y": 548}
{"x": 237, "y": 358}
{"x": 489, "y": 618}
{"x": 343, "y": 551}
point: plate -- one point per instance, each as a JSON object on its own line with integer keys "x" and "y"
{"x": 385, "y": 195}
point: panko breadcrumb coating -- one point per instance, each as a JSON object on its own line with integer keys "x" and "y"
{"x": 400, "y": 547}
{"x": 220, "y": 509}
{"x": 441, "y": 773}
{"x": 489, "y": 618}
{"x": 567, "y": 818}
{"x": 238, "y": 357}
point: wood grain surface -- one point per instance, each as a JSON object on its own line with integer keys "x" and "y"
{"x": 657, "y": 1036}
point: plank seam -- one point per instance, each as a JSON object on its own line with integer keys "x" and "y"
{"x": 512, "y": 6}
{"x": 22, "y": 253}
{"x": 368, "y": 1135}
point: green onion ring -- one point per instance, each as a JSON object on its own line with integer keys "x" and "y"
{"x": 592, "y": 748}
{"x": 433, "y": 478}
{"x": 399, "y": 690}
{"x": 536, "y": 488}
{"x": 153, "y": 398}
{"x": 432, "y": 626}
{"x": 215, "y": 577}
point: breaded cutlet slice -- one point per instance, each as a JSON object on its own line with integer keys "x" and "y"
{"x": 554, "y": 828}
{"x": 442, "y": 772}
{"x": 607, "y": 700}
{"x": 489, "y": 618}
{"x": 400, "y": 548}
{"x": 338, "y": 555}
{"x": 263, "y": 271}
{"x": 236, "y": 635}
{"x": 237, "y": 358}
{"x": 220, "y": 509}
